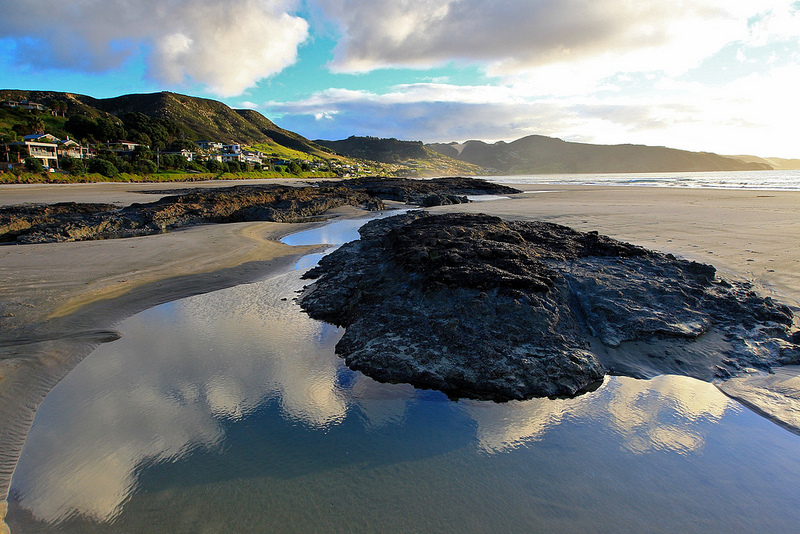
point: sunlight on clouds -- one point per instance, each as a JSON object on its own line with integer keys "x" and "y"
{"x": 752, "y": 114}
{"x": 228, "y": 47}
{"x": 521, "y": 35}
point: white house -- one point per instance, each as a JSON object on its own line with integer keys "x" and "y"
{"x": 209, "y": 145}
{"x": 44, "y": 151}
{"x": 188, "y": 155}
{"x": 69, "y": 147}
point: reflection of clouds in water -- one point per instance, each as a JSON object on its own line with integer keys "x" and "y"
{"x": 662, "y": 413}
{"x": 161, "y": 391}
{"x": 649, "y": 415}
{"x": 68, "y": 466}
{"x": 502, "y": 427}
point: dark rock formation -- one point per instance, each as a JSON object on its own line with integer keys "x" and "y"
{"x": 426, "y": 193}
{"x": 480, "y": 307}
{"x": 78, "y": 222}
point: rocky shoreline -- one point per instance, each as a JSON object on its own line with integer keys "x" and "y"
{"x": 70, "y": 221}
{"x": 479, "y": 307}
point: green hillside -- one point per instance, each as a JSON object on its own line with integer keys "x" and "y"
{"x": 196, "y": 118}
{"x": 419, "y": 159}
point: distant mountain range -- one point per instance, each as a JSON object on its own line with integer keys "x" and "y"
{"x": 202, "y": 118}
{"x": 538, "y": 154}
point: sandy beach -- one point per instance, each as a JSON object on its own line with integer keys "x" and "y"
{"x": 59, "y": 301}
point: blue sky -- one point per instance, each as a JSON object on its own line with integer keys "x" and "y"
{"x": 707, "y": 75}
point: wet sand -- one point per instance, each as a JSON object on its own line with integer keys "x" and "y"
{"x": 59, "y": 301}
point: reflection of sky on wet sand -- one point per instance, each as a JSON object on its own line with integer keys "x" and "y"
{"x": 188, "y": 375}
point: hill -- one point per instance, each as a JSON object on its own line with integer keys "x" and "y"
{"x": 420, "y": 159}
{"x": 538, "y": 154}
{"x": 779, "y": 164}
{"x": 383, "y": 150}
{"x": 197, "y": 118}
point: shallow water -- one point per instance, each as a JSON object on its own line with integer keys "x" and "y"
{"x": 230, "y": 412}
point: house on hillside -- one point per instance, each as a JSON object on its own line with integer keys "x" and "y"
{"x": 232, "y": 156}
{"x": 9, "y": 104}
{"x": 41, "y": 138}
{"x": 33, "y": 106}
{"x": 209, "y": 145}
{"x": 188, "y": 155}
{"x": 253, "y": 157}
{"x": 123, "y": 146}
{"x": 71, "y": 148}
{"x": 41, "y": 146}
{"x": 231, "y": 149}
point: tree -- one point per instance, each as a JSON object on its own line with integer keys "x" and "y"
{"x": 145, "y": 166}
{"x": 81, "y": 127}
{"x": 58, "y": 107}
{"x": 33, "y": 165}
{"x": 104, "y": 167}
{"x": 294, "y": 168}
{"x": 36, "y": 125}
{"x": 183, "y": 144}
{"x": 70, "y": 164}
{"x": 213, "y": 165}
{"x": 141, "y": 152}
{"x": 173, "y": 161}
{"x": 109, "y": 129}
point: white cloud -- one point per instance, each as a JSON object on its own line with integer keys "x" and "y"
{"x": 226, "y": 46}
{"x": 522, "y": 34}
{"x": 753, "y": 114}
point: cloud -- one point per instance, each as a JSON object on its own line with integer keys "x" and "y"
{"x": 226, "y": 46}
{"x": 751, "y": 114}
{"x": 519, "y": 35}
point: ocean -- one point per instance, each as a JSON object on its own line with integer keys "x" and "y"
{"x": 760, "y": 180}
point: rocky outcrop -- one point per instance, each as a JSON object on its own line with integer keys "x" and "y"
{"x": 426, "y": 193}
{"x": 78, "y": 222}
{"x": 484, "y": 308}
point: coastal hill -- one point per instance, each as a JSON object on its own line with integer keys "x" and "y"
{"x": 537, "y": 154}
{"x": 201, "y": 118}
{"x": 413, "y": 154}
{"x": 779, "y": 164}
{"x": 198, "y": 118}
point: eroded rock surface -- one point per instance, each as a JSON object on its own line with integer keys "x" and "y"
{"x": 484, "y": 308}
{"x": 71, "y": 221}
{"x": 426, "y": 193}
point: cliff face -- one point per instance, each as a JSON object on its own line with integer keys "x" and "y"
{"x": 538, "y": 154}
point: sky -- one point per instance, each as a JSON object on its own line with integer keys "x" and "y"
{"x": 705, "y": 75}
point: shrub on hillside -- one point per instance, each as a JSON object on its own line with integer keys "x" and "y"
{"x": 145, "y": 166}
{"x": 101, "y": 166}
{"x": 33, "y": 165}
